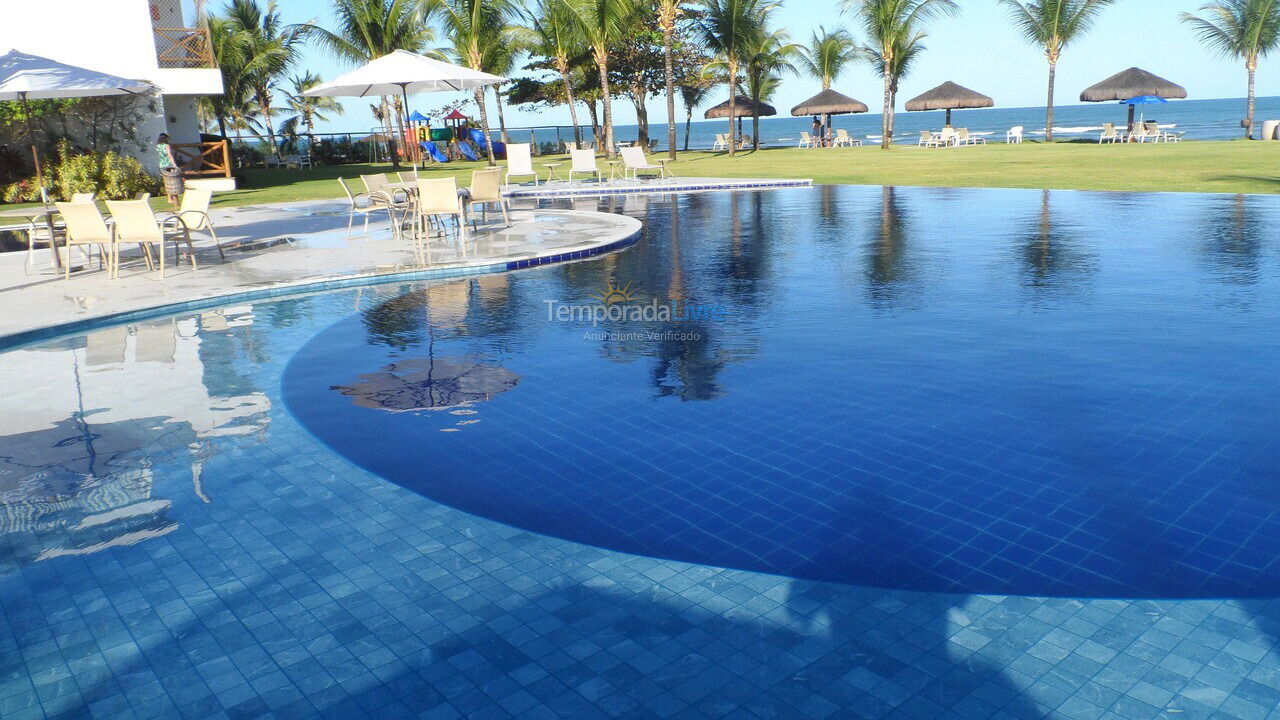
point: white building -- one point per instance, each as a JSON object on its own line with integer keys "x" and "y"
{"x": 155, "y": 40}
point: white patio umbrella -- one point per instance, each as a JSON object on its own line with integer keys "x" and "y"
{"x": 25, "y": 77}
{"x": 405, "y": 72}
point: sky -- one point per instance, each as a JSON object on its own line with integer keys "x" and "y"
{"x": 979, "y": 49}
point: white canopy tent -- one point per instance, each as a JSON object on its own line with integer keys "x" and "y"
{"x": 405, "y": 72}
{"x": 25, "y": 77}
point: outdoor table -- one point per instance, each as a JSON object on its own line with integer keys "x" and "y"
{"x": 551, "y": 171}
{"x": 613, "y": 168}
{"x": 31, "y": 215}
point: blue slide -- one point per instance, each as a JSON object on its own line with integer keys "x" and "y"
{"x": 467, "y": 152}
{"x": 478, "y": 138}
{"x": 433, "y": 150}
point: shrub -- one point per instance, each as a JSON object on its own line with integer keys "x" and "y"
{"x": 111, "y": 175}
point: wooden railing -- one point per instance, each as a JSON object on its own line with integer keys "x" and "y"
{"x": 203, "y": 159}
{"x": 184, "y": 48}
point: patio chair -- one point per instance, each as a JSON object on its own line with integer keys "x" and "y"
{"x": 948, "y": 137}
{"x": 928, "y": 139}
{"x": 137, "y": 223}
{"x": 380, "y": 190}
{"x": 362, "y": 204}
{"x": 1109, "y": 134}
{"x": 806, "y": 140}
{"x": 438, "y": 198}
{"x": 1014, "y": 135}
{"x": 83, "y": 197}
{"x": 634, "y": 162}
{"x": 86, "y": 227}
{"x": 721, "y": 143}
{"x": 964, "y": 138}
{"x": 486, "y": 189}
{"x": 297, "y": 161}
{"x": 1148, "y": 131}
{"x": 584, "y": 161}
{"x": 193, "y": 214}
{"x": 519, "y": 163}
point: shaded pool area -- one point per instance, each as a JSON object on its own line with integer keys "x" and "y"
{"x": 901, "y": 453}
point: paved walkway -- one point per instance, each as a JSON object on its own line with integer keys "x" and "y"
{"x": 280, "y": 248}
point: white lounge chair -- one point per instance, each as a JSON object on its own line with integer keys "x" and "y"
{"x": 928, "y": 139}
{"x": 844, "y": 139}
{"x": 1014, "y": 135}
{"x": 806, "y": 140}
{"x": 722, "y": 142}
{"x": 948, "y": 137}
{"x": 1148, "y": 131}
{"x": 1174, "y": 137}
{"x": 519, "y": 163}
{"x": 86, "y": 227}
{"x": 964, "y": 138}
{"x": 137, "y": 223}
{"x": 584, "y": 161}
{"x": 486, "y": 189}
{"x": 634, "y": 162}
{"x": 1110, "y": 134}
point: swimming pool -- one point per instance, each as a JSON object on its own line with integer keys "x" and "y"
{"x": 893, "y": 407}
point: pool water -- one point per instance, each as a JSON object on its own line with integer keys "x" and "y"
{"x": 904, "y": 453}
{"x": 1075, "y": 395}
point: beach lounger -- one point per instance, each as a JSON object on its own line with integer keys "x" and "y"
{"x": 806, "y": 140}
{"x": 928, "y": 139}
{"x": 722, "y": 143}
{"x": 584, "y": 161}
{"x": 1147, "y": 131}
{"x": 844, "y": 139}
{"x": 1109, "y": 134}
{"x": 634, "y": 162}
{"x": 519, "y": 163}
{"x": 964, "y": 138}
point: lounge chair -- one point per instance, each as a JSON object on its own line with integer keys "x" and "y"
{"x": 83, "y": 197}
{"x": 843, "y": 139}
{"x": 1148, "y": 131}
{"x": 1109, "y": 134}
{"x": 928, "y": 139}
{"x": 1014, "y": 135}
{"x": 634, "y": 161}
{"x": 722, "y": 143}
{"x": 438, "y": 198}
{"x": 86, "y": 227}
{"x": 1174, "y": 137}
{"x": 193, "y": 214}
{"x": 584, "y": 161}
{"x": 806, "y": 140}
{"x": 137, "y": 223}
{"x": 519, "y": 163}
{"x": 486, "y": 189}
{"x": 948, "y": 137}
{"x": 964, "y": 138}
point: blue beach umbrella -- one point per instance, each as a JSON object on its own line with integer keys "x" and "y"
{"x": 1142, "y": 100}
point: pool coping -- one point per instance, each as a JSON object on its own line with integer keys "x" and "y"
{"x": 18, "y": 339}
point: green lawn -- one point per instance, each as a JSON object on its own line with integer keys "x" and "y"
{"x": 1222, "y": 167}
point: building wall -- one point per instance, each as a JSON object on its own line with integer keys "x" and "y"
{"x": 115, "y": 37}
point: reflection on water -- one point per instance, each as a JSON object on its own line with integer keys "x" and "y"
{"x": 429, "y": 383}
{"x": 890, "y": 272}
{"x": 1053, "y": 261}
{"x": 1234, "y": 240}
{"x": 88, "y": 417}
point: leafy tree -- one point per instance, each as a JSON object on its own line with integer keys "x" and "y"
{"x": 271, "y": 47}
{"x": 692, "y": 94}
{"x": 1241, "y": 29}
{"x": 307, "y": 110}
{"x": 669, "y": 13}
{"x": 602, "y": 24}
{"x": 1052, "y": 24}
{"x": 828, "y": 54}
{"x": 553, "y": 37}
{"x": 764, "y": 62}
{"x": 729, "y": 29}
{"x": 895, "y": 29}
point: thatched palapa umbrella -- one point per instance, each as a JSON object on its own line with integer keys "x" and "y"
{"x": 744, "y": 108}
{"x": 828, "y": 103}
{"x": 949, "y": 96}
{"x": 1132, "y": 83}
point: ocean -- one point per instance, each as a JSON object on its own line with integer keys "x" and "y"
{"x": 1199, "y": 119}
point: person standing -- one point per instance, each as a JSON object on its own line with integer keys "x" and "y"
{"x": 169, "y": 170}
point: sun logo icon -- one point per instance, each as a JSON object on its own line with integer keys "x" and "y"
{"x": 614, "y": 295}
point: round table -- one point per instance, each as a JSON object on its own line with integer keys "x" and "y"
{"x": 32, "y": 214}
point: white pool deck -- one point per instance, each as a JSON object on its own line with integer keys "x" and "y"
{"x": 290, "y": 247}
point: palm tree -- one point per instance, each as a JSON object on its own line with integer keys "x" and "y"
{"x": 1241, "y": 29}
{"x": 273, "y": 48}
{"x": 368, "y": 29}
{"x": 229, "y": 48}
{"x": 728, "y": 29}
{"x": 553, "y": 38}
{"x": 669, "y": 12}
{"x": 473, "y": 28}
{"x": 501, "y": 60}
{"x": 828, "y": 54}
{"x": 692, "y": 96}
{"x": 1052, "y": 24}
{"x": 601, "y": 24}
{"x": 895, "y": 29}
{"x": 307, "y": 110}
{"x": 771, "y": 56}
